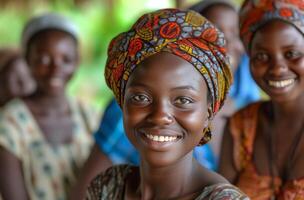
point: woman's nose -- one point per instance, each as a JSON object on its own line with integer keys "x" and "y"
{"x": 56, "y": 65}
{"x": 161, "y": 114}
{"x": 278, "y": 66}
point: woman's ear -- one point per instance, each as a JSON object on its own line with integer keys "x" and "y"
{"x": 207, "y": 134}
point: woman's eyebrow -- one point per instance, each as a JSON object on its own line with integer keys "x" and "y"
{"x": 186, "y": 87}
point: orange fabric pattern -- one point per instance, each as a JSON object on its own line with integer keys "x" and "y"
{"x": 258, "y": 187}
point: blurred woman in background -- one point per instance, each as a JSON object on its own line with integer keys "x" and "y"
{"x": 45, "y": 137}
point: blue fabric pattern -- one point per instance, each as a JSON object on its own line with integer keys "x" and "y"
{"x": 244, "y": 89}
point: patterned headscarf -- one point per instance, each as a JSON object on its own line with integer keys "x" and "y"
{"x": 183, "y": 33}
{"x": 256, "y": 13}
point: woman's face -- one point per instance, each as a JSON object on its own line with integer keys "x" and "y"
{"x": 16, "y": 80}
{"x": 165, "y": 109}
{"x": 277, "y": 60}
{"x": 53, "y": 58}
{"x": 19, "y": 81}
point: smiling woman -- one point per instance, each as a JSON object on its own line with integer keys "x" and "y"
{"x": 263, "y": 143}
{"x": 170, "y": 75}
{"x": 45, "y": 136}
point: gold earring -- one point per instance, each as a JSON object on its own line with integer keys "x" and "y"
{"x": 207, "y": 135}
{"x": 210, "y": 113}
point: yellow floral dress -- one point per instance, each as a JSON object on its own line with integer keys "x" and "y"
{"x": 48, "y": 171}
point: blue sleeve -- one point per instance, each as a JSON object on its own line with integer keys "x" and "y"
{"x": 244, "y": 89}
{"x": 204, "y": 155}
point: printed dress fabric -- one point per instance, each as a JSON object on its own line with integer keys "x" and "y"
{"x": 112, "y": 183}
{"x": 242, "y": 127}
{"x": 48, "y": 171}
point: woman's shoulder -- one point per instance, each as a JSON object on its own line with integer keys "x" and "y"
{"x": 242, "y": 128}
{"x": 248, "y": 110}
{"x": 15, "y": 112}
{"x": 13, "y": 106}
{"x": 244, "y": 121}
{"x": 109, "y": 184}
{"x": 15, "y": 127}
{"x": 87, "y": 112}
{"x": 222, "y": 191}
{"x": 118, "y": 172}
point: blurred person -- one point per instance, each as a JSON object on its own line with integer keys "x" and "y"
{"x": 170, "y": 76}
{"x": 45, "y": 137}
{"x": 263, "y": 143}
{"x": 15, "y": 78}
{"x": 224, "y": 15}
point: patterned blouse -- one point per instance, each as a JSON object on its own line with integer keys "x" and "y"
{"x": 242, "y": 127}
{"x": 111, "y": 185}
{"x": 48, "y": 171}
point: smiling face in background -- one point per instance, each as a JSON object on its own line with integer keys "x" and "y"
{"x": 52, "y": 58}
{"x": 165, "y": 108}
{"x": 277, "y": 60}
{"x": 16, "y": 80}
{"x": 19, "y": 81}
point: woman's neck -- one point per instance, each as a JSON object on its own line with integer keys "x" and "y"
{"x": 49, "y": 103}
{"x": 171, "y": 181}
{"x": 288, "y": 110}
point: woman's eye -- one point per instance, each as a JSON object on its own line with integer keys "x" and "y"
{"x": 68, "y": 59}
{"x": 140, "y": 98}
{"x": 43, "y": 60}
{"x": 293, "y": 54}
{"x": 261, "y": 57}
{"x": 183, "y": 101}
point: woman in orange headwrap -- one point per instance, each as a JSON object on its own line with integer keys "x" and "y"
{"x": 170, "y": 75}
{"x": 263, "y": 144}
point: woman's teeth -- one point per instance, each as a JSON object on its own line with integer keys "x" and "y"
{"x": 161, "y": 138}
{"x": 281, "y": 84}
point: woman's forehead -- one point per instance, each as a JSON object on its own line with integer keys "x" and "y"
{"x": 277, "y": 30}
{"x": 168, "y": 69}
{"x": 50, "y": 34}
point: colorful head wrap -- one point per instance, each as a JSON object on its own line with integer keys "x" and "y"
{"x": 183, "y": 33}
{"x": 256, "y": 13}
